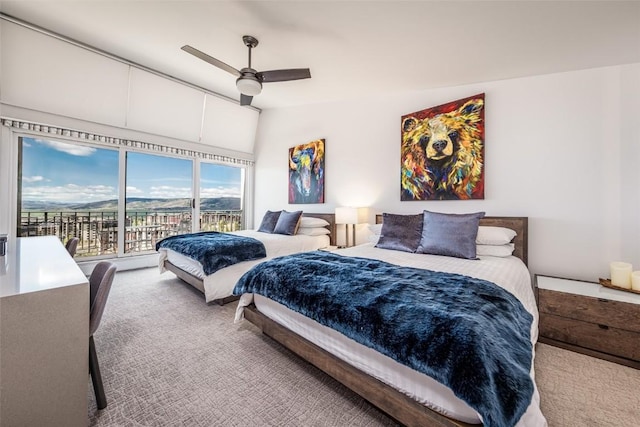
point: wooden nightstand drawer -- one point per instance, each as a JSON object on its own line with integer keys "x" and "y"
{"x": 614, "y": 314}
{"x": 594, "y": 336}
{"x": 589, "y": 318}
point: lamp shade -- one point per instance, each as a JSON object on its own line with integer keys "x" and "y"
{"x": 349, "y": 215}
{"x": 249, "y": 86}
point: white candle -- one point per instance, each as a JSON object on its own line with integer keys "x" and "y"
{"x": 635, "y": 280}
{"x": 621, "y": 274}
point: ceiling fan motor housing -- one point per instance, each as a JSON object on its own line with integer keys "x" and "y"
{"x": 248, "y": 83}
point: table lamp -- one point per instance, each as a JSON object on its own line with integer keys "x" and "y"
{"x": 350, "y": 216}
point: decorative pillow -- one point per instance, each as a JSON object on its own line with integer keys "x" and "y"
{"x": 495, "y": 250}
{"x": 450, "y": 234}
{"x": 269, "y": 221}
{"x": 489, "y": 235}
{"x": 309, "y": 221}
{"x": 313, "y": 231}
{"x": 375, "y": 229}
{"x": 400, "y": 232}
{"x": 288, "y": 223}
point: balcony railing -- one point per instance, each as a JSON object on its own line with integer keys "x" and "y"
{"x": 98, "y": 231}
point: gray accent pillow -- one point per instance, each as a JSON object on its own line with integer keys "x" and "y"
{"x": 400, "y": 232}
{"x": 451, "y": 235}
{"x": 288, "y": 223}
{"x": 269, "y": 221}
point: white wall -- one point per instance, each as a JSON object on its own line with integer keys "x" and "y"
{"x": 562, "y": 149}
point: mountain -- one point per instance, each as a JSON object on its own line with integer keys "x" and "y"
{"x": 137, "y": 204}
{"x": 221, "y": 204}
{"x": 43, "y": 206}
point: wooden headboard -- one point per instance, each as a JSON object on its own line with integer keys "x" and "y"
{"x": 331, "y": 219}
{"x": 519, "y": 224}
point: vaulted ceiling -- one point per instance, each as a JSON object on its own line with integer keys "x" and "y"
{"x": 353, "y": 48}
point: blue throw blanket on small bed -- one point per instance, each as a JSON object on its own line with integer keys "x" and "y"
{"x": 215, "y": 250}
{"x": 469, "y": 334}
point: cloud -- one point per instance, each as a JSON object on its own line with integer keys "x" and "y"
{"x": 72, "y": 149}
{"x": 70, "y": 193}
{"x": 73, "y": 193}
{"x": 220, "y": 181}
{"x": 133, "y": 190}
{"x": 168, "y": 192}
{"x": 213, "y": 192}
{"x": 35, "y": 178}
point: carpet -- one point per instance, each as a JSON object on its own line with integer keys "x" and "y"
{"x": 168, "y": 358}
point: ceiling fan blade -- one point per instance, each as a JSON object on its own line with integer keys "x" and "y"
{"x": 245, "y": 99}
{"x": 211, "y": 60}
{"x": 284, "y": 75}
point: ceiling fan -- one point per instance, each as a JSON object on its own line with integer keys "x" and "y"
{"x": 249, "y": 81}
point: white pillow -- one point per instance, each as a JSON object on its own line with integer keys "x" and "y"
{"x": 376, "y": 229}
{"x": 313, "y": 231}
{"x": 488, "y": 235}
{"x": 495, "y": 250}
{"x": 309, "y": 221}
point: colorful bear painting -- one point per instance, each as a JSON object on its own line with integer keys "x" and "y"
{"x": 442, "y": 155}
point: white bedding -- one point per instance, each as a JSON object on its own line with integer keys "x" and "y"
{"x": 220, "y": 284}
{"x": 509, "y": 273}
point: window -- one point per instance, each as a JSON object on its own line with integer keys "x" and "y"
{"x": 221, "y": 197}
{"x": 158, "y": 199}
{"x": 70, "y": 189}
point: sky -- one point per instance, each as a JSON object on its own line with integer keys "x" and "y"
{"x": 54, "y": 171}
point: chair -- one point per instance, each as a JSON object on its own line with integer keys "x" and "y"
{"x": 100, "y": 284}
{"x": 72, "y": 245}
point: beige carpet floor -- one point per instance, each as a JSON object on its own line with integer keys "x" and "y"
{"x": 169, "y": 359}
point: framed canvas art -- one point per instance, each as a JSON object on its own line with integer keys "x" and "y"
{"x": 306, "y": 173}
{"x": 442, "y": 152}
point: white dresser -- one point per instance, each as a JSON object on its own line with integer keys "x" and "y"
{"x": 44, "y": 335}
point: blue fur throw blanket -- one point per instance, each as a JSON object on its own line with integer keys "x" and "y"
{"x": 215, "y": 250}
{"x": 468, "y": 334}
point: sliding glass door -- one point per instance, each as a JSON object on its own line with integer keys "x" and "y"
{"x": 159, "y": 194}
{"x": 221, "y": 195}
{"x": 72, "y": 189}
{"x": 69, "y": 190}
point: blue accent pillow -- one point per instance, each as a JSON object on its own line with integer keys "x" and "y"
{"x": 400, "y": 232}
{"x": 288, "y": 223}
{"x": 269, "y": 221}
{"x": 451, "y": 235}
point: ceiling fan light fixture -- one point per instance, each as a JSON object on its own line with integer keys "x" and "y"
{"x": 248, "y": 86}
{"x": 249, "y": 82}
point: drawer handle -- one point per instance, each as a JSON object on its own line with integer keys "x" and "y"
{"x": 603, "y": 300}
{"x": 603, "y": 326}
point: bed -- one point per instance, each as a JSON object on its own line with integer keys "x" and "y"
{"x": 409, "y": 396}
{"x": 218, "y": 286}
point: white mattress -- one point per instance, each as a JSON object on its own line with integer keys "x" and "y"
{"x": 509, "y": 273}
{"x": 220, "y": 284}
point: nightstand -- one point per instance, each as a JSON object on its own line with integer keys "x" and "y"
{"x": 589, "y": 318}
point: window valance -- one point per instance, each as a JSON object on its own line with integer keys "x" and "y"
{"x": 122, "y": 142}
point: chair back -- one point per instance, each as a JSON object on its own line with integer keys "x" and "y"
{"x": 72, "y": 246}
{"x": 100, "y": 283}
